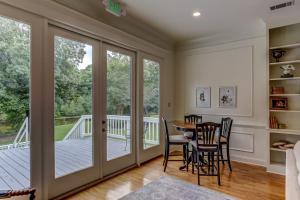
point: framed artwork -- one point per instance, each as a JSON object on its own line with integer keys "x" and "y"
{"x": 227, "y": 97}
{"x": 203, "y": 97}
{"x": 279, "y": 103}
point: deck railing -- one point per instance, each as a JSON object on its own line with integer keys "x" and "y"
{"x": 22, "y": 139}
{"x": 117, "y": 127}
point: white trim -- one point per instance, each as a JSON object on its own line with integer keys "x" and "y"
{"x": 61, "y": 14}
{"x": 251, "y": 149}
{"x": 222, "y": 48}
{"x": 247, "y": 160}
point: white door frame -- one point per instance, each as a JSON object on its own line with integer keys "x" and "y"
{"x": 155, "y": 151}
{"x": 58, "y": 186}
{"x": 36, "y": 74}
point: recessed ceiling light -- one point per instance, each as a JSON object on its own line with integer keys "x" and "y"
{"x": 196, "y": 14}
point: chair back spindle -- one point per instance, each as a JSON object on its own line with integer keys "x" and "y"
{"x": 193, "y": 119}
{"x": 206, "y": 133}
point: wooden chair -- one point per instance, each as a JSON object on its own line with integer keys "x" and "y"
{"x": 174, "y": 140}
{"x": 4, "y": 194}
{"x": 192, "y": 119}
{"x": 225, "y": 131}
{"x": 205, "y": 144}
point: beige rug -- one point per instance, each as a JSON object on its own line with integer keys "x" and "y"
{"x": 168, "y": 188}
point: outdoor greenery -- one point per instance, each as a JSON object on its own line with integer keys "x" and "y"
{"x": 73, "y": 82}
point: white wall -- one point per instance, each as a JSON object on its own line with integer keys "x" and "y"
{"x": 242, "y": 64}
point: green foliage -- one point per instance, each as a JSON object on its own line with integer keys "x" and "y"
{"x": 73, "y": 84}
{"x": 118, "y": 83}
{"x": 14, "y": 70}
{"x": 151, "y": 88}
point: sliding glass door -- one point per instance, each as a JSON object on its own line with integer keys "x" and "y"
{"x": 119, "y": 109}
{"x": 74, "y": 153}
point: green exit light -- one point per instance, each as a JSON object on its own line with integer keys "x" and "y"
{"x": 114, "y": 7}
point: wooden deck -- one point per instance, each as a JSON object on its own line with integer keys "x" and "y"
{"x": 70, "y": 156}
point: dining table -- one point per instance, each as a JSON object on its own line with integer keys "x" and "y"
{"x": 185, "y": 127}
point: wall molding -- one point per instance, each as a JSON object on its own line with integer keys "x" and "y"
{"x": 251, "y": 137}
{"x": 217, "y": 49}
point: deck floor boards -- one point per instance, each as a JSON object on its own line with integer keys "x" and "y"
{"x": 70, "y": 156}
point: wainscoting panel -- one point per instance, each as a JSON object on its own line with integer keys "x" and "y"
{"x": 242, "y": 141}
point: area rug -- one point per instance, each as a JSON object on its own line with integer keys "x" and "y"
{"x": 168, "y": 188}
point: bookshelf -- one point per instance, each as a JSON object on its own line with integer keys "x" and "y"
{"x": 284, "y": 122}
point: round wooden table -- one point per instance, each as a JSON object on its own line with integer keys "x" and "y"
{"x": 185, "y": 127}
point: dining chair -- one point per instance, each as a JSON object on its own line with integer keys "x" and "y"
{"x": 192, "y": 119}
{"x": 205, "y": 143}
{"x": 174, "y": 140}
{"x": 225, "y": 131}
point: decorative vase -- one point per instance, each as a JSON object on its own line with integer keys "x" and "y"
{"x": 277, "y": 54}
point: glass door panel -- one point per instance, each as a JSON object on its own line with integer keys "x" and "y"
{"x": 15, "y": 56}
{"x": 73, "y": 140}
{"x": 118, "y": 103}
{"x": 151, "y": 96}
{"x": 73, "y": 106}
{"x": 119, "y": 133}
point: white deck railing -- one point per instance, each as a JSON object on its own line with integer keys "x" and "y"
{"x": 22, "y": 139}
{"x": 117, "y": 127}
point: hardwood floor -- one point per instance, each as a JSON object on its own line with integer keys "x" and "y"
{"x": 247, "y": 182}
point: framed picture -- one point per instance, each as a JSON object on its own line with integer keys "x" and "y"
{"x": 227, "y": 97}
{"x": 203, "y": 97}
{"x": 279, "y": 103}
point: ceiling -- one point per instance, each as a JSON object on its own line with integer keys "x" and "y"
{"x": 174, "y": 17}
{"x": 169, "y": 22}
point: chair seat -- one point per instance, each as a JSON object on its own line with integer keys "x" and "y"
{"x": 202, "y": 147}
{"x": 188, "y": 134}
{"x": 180, "y": 139}
{"x": 223, "y": 140}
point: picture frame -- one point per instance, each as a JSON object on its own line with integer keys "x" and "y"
{"x": 203, "y": 97}
{"x": 228, "y": 97}
{"x": 279, "y": 103}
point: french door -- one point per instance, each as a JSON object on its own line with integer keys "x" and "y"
{"x": 119, "y": 136}
{"x": 150, "y": 137}
{"x": 74, "y": 89}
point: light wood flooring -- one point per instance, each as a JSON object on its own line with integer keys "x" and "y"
{"x": 247, "y": 182}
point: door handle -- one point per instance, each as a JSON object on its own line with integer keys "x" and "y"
{"x": 103, "y": 130}
{"x": 103, "y": 121}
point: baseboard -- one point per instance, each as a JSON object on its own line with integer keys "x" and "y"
{"x": 247, "y": 160}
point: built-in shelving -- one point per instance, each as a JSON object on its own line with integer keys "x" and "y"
{"x": 289, "y": 46}
{"x": 285, "y": 131}
{"x": 285, "y": 62}
{"x": 288, "y": 39}
{"x": 286, "y": 111}
{"x": 284, "y": 79}
{"x": 284, "y": 95}
{"x": 277, "y": 149}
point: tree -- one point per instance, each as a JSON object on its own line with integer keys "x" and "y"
{"x": 151, "y": 87}
{"x": 118, "y": 83}
{"x": 14, "y": 70}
